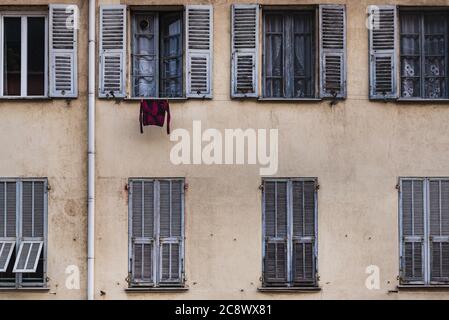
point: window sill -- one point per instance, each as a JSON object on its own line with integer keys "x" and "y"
{"x": 290, "y": 99}
{"x": 423, "y": 100}
{"x": 156, "y": 289}
{"x": 417, "y": 287}
{"x": 289, "y": 289}
{"x": 29, "y": 289}
{"x": 138, "y": 99}
{"x": 28, "y": 98}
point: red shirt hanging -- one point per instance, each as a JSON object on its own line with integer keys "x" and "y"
{"x": 152, "y": 113}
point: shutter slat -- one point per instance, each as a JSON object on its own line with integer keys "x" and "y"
{"x": 63, "y": 51}
{"x": 382, "y": 41}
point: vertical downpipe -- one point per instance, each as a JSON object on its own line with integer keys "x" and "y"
{"x": 91, "y": 156}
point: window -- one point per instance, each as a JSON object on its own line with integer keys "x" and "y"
{"x": 289, "y": 232}
{"x": 156, "y": 238}
{"x": 289, "y": 65}
{"x": 24, "y": 55}
{"x": 424, "y": 231}
{"x": 23, "y": 232}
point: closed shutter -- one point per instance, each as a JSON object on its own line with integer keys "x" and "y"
{"x": 63, "y": 51}
{"x": 383, "y": 44}
{"x": 303, "y": 198}
{"x": 8, "y": 208}
{"x": 439, "y": 230}
{"x": 112, "y": 50}
{"x": 142, "y": 232}
{"x": 275, "y": 232}
{"x": 412, "y": 231}
{"x": 171, "y": 231}
{"x": 199, "y": 35}
{"x": 332, "y": 51}
{"x": 245, "y": 44}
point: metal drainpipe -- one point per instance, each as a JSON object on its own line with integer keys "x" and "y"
{"x": 91, "y": 157}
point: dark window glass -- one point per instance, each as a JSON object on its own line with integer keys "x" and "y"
{"x": 12, "y": 56}
{"x": 289, "y": 55}
{"x": 36, "y": 56}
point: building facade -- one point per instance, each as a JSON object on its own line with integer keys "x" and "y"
{"x": 357, "y": 208}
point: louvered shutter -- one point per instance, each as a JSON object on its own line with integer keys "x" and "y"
{"x": 199, "y": 44}
{"x": 383, "y": 44}
{"x": 142, "y": 232}
{"x": 112, "y": 51}
{"x": 245, "y": 44}
{"x": 63, "y": 51}
{"x": 332, "y": 51}
{"x": 171, "y": 231}
{"x": 412, "y": 231}
{"x": 439, "y": 230}
{"x": 303, "y": 202}
{"x": 8, "y": 209}
{"x": 275, "y": 231}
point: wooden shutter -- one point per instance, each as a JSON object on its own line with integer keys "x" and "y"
{"x": 275, "y": 232}
{"x": 199, "y": 48}
{"x": 8, "y": 209}
{"x": 412, "y": 230}
{"x": 245, "y": 44}
{"x": 63, "y": 51}
{"x": 112, "y": 51}
{"x": 382, "y": 46}
{"x": 303, "y": 259}
{"x": 439, "y": 230}
{"x": 142, "y": 232}
{"x": 171, "y": 231}
{"x": 332, "y": 51}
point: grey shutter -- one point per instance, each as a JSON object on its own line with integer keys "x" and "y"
{"x": 245, "y": 55}
{"x": 332, "y": 51}
{"x": 8, "y": 209}
{"x": 142, "y": 232}
{"x": 112, "y": 51}
{"x": 63, "y": 51}
{"x": 382, "y": 46}
{"x": 412, "y": 230}
{"x": 275, "y": 232}
{"x": 439, "y": 230}
{"x": 303, "y": 198}
{"x": 199, "y": 44}
{"x": 171, "y": 231}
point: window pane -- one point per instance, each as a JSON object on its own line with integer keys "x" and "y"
{"x": 12, "y": 53}
{"x": 410, "y": 56}
{"x": 274, "y": 55}
{"x": 36, "y": 56}
{"x": 171, "y": 55}
{"x": 303, "y": 57}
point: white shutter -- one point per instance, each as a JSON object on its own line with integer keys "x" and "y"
{"x": 245, "y": 44}
{"x": 382, "y": 42}
{"x": 332, "y": 51}
{"x": 112, "y": 50}
{"x": 63, "y": 51}
{"x": 199, "y": 48}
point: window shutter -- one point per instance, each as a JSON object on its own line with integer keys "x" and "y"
{"x": 439, "y": 230}
{"x": 245, "y": 44}
{"x": 333, "y": 51}
{"x": 171, "y": 231}
{"x": 112, "y": 51}
{"x": 275, "y": 231}
{"x": 199, "y": 44}
{"x": 63, "y": 51}
{"x": 382, "y": 42}
{"x": 412, "y": 231}
{"x": 8, "y": 208}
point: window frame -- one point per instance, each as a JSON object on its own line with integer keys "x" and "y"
{"x": 18, "y": 283}
{"x": 24, "y": 53}
{"x": 290, "y": 283}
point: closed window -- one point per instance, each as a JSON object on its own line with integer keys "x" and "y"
{"x": 424, "y": 232}
{"x": 23, "y": 232}
{"x": 289, "y": 232}
{"x": 156, "y": 239}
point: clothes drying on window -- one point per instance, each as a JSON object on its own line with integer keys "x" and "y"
{"x": 152, "y": 113}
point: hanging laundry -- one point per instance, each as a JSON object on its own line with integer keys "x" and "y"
{"x": 152, "y": 113}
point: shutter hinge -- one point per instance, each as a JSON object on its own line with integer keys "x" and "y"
{"x": 261, "y": 187}
{"x": 398, "y": 187}
{"x": 186, "y": 186}
{"x": 128, "y": 278}
{"x": 48, "y": 187}
{"x": 127, "y": 187}
{"x": 317, "y": 187}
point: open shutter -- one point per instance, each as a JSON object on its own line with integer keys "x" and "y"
{"x": 171, "y": 231}
{"x": 275, "y": 232}
{"x": 245, "y": 56}
{"x": 199, "y": 44}
{"x": 332, "y": 51}
{"x": 383, "y": 43}
{"x": 439, "y": 230}
{"x": 412, "y": 231}
{"x": 112, "y": 51}
{"x": 63, "y": 51}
